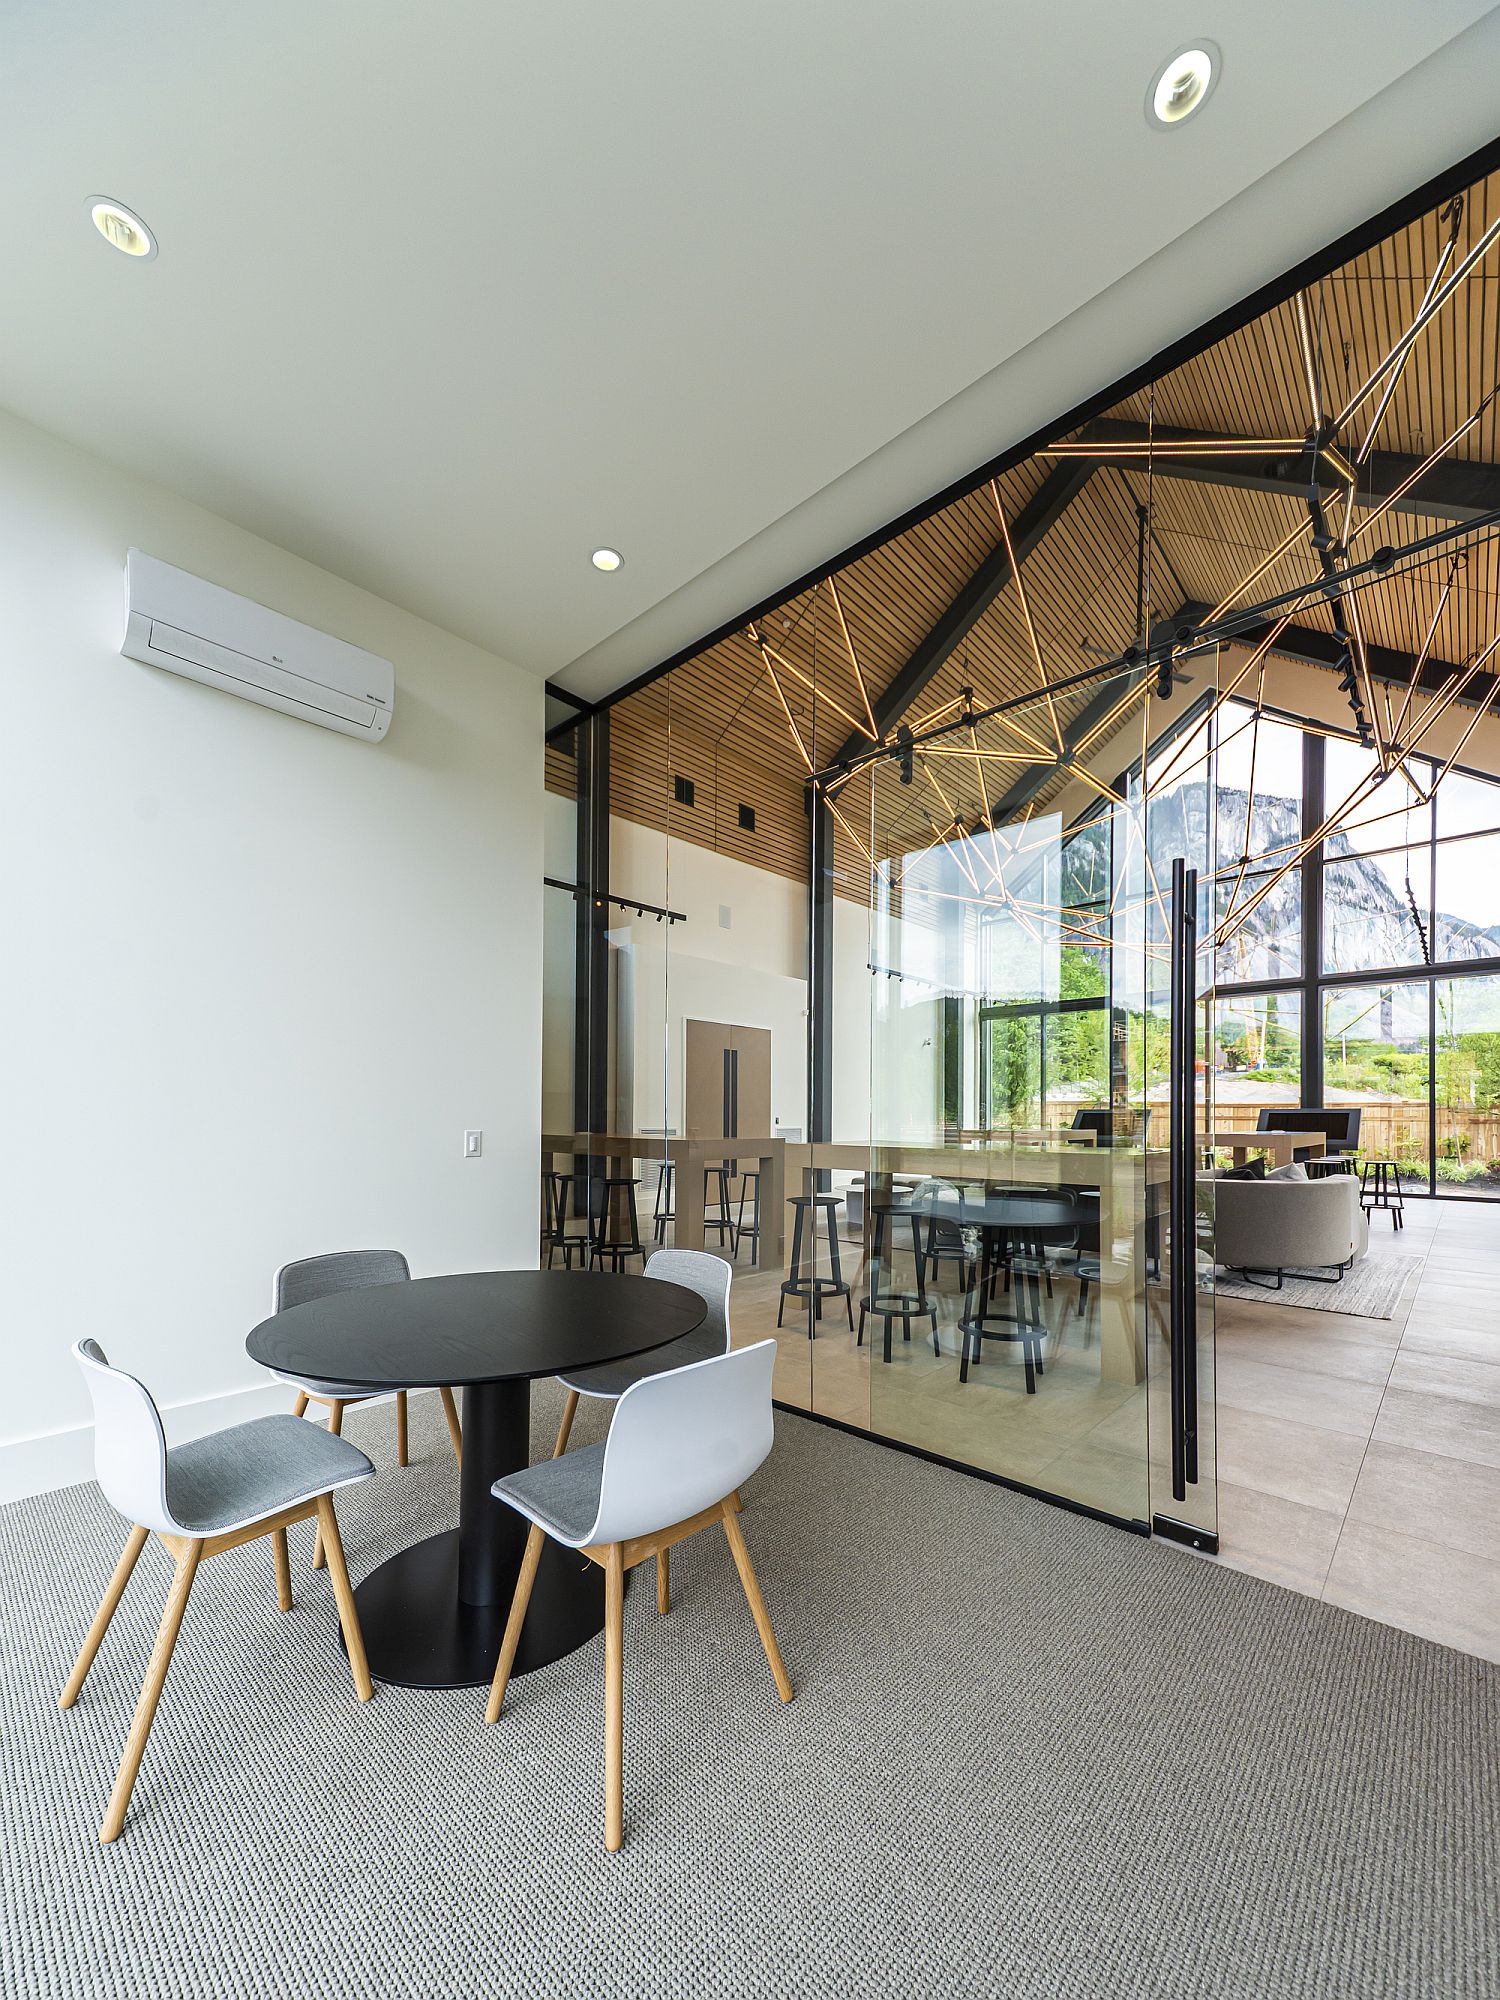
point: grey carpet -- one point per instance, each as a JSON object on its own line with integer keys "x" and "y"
{"x": 1029, "y": 1755}
{"x": 1372, "y": 1290}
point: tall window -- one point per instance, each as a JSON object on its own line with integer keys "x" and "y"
{"x": 1406, "y": 993}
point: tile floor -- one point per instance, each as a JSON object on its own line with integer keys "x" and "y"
{"x": 1358, "y": 1459}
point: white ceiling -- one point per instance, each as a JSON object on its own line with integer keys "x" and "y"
{"x": 449, "y": 294}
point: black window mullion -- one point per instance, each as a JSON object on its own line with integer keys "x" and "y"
{"x": 1313, "y": 769}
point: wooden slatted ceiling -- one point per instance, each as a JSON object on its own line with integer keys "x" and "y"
{"x": 1252, "y": 382}
{"x": 718, "y": 719}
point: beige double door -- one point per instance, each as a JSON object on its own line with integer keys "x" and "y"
{"x": 728, "y": 1081}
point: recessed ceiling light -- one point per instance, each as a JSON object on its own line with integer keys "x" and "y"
{"x": 1183, "y": 85}
{"x": 607, "y": 559}
{"x": 122, "y": 227}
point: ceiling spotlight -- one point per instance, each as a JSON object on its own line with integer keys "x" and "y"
{"x": 607, "y": 559}
{"x": 122, "y": 227}
{"x": 1183, "y": 85}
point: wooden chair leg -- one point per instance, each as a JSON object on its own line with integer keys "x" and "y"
{"x": 450, "y": 1411}
{"x": 530, "y": 1557}
{"x": 283, "y": 1568}
{"x": 570, "y": 1410}
{"x": 614, "y": 1698}
{"x": 151, "y": 1687}
{"x": 401, "y": 1427}
{"x": 108, "y": 1605}
{"x": 301, "y": 1403}
{"x": 335, "y": 1426}
{"x": 343, "y": 1596}
{"x": 663, "y": 1582}
{"x": 756, "y": 1602}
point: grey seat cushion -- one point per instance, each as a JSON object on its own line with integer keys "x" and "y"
{"x": 344, "y": 1392}
{"x": 256, "y": 1469}
{"x": 561, "y": 1494}
{"x": 613, "y": 1378}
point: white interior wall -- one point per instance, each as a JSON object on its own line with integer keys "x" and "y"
{"x": 260, "y": 976}
{"x": 751, "y": 972}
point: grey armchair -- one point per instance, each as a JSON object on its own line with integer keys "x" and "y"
{"x": 1267, "y": 1227}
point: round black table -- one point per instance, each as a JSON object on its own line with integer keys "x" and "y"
{"x": 433, "y": 1615}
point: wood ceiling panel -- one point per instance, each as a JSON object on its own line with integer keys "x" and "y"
{"x": 720, "y": 720}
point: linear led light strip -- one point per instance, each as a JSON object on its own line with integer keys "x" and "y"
{"x": 1387, "y": 749}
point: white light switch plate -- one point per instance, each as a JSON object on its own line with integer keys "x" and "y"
{"x": 473, "y": 1145}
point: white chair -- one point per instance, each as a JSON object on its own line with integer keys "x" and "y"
{"x": 202, "y": 1498}
{"x": 697, "y": 1271}
{"x": 347, "y": 1271}
{"x": 679, "y": 1446}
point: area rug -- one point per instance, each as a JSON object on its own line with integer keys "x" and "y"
{"x": 1374, "y": 1289}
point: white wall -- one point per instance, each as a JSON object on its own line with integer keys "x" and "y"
{"x": 259, "y": 977}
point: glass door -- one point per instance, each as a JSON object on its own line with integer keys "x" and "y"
{"x": 1002, "y": 1297}
{"x": 1193, "y": 889}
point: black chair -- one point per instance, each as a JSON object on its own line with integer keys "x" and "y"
{"x": 1339, "y": 1127}
{"x": 1105, "y": 1124}
{"x": 944, "y": 1204}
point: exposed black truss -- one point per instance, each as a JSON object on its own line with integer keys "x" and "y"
{"x": 1304, "y": 645}
{"x": 1035, "y": 521}
{"x": 1308, "y": 647}
{"x": 1455, "y": 489}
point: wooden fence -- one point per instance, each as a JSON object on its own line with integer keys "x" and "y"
{"x": 1398, "y": 1131}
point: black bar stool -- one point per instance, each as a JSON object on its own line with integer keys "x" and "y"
{"x": 883, "y": 1301}
{"x": 807, "y": 1285}
{"x": 663, "y": 1212}
{"x": 1016, "y": 1231}
{"x": 749, "y": 1185}
{"x": 1380, "y": 1187}
{"x": 716, "y": 1189}
{"x": 556, "y": 1193}
{"x": 614, "y": 1228}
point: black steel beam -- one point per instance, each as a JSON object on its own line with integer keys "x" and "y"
{"x": 1041, "y": 513}
{"x": 1454, "y": 489}
{"x": 819, "y": 972}
{"x": 1312, "y": 648}
{"x": 1303, "y": 644}
{"x": 1313, "y": 748}
{"x": 591, "y": 937}
{"x": 1093, "y": 712}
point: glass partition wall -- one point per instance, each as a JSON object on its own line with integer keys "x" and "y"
{"x": 864, "y": 965}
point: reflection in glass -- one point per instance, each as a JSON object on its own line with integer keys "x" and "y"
{"x": 1392, "y": 813}
{"x": 1466, "y": 920}
{"x": 1375, "y": 910}
{"x": 1466, "y": 805}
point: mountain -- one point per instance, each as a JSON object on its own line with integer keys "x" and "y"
{"x": 1367, "y": 921}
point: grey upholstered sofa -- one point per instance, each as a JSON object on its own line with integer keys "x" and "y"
{"x": 1267, "y": 1227}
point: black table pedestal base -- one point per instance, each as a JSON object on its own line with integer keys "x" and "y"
{"x": 419, "y": 1633}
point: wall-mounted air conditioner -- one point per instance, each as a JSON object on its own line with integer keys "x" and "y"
{"x": 179, "y": 622}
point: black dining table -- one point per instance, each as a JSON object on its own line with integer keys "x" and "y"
{"x": 433, "y": 1614}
